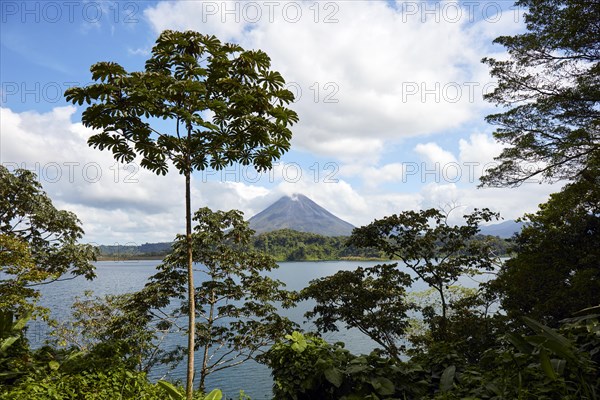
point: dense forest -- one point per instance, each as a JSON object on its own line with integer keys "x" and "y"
{"x": 283, "y": 245}
{"x": 532, "y": 331}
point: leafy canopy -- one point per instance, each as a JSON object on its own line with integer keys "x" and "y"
{"x": 550, "y": 85}
{"x": 38, "y": 242}
{"x": 236, "y": 301}
{"x": 370, "y": 299}
{"x": 437, "y": 252}
{"x": 228, "y": 106}
{"x": 556, "y": 269}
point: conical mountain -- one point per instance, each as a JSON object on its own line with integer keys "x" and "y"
{"x": 299, "y": 213}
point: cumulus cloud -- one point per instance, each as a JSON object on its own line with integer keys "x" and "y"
{"x": 506, "y": 201}
{"x": 475, "y": 155}
{"x": 412, "y": 74}
{"x": 210, "y": 15}
{"x": 393, "y": 172}
{"x": 124, "y": 203}
{"x": 116, "y": 202}
{"x": 107, "y": 196}
{"x": 433, "y": 153}
{"x": 367, "y": 75}
{"x": 479, "y": 148}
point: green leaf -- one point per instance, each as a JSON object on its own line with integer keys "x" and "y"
{"x": 356, "y": 368}
{"x": 75, "y": 355}
{"x": 558, "y": 365}
{"x": 546, "y": 331}
{"x": 555, "y": 342}
{"x": 519, "y": 343}
{"x": 214, "y": 395}
{"x": 334, "y": 376}
{"x": 11, "y": 374}
{"x": 383, "y": 386}
{"x": 54, "y": 365}
{"x": 6, "y": 343}
{"x": 447, "y": 379}
{"x": 21, "y": 322}
{"x": 171, "y": 390}
{"x": 299, "y": 342}
{"x": 547, "y": 365}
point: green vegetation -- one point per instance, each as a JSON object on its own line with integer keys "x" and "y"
{"x": 551, "y": 88}
{"x": 235, "y": 300}
{"x": 462, "y": 349}
{"x": 284, "y": 245}
{"x": 146, "y": 251}
{"x": 438, "y": 253}
{"x": 562, "y": 240}
{"x": 547, "y": 364}
{"x": 370, "y": 299}
{"x": 38, "y": 246}
{"x": 38, "y": 242}
{"x": 290, "y": 245}
{"x": 530, "y": 331}
{"x": 544, "y": 341}
{"x": 188, "y": 77}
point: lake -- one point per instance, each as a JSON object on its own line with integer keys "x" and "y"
{"x": 116, "y": 277}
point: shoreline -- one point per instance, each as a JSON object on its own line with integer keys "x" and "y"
{"x": 117, "y": 258}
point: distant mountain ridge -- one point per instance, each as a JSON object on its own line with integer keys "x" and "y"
{"x": 296, "y": 212}
{"x": 503, "y": 230}
{"x": 299, "y": 213}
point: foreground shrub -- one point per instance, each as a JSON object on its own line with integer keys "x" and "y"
{"x": 545, "y": 364}
{"x": 309, "y": 368}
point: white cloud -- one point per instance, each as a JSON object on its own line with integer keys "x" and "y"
{"x": 510, "y": 203}
{"x": 139, "y": 52}
{"x": 374, "y": 177}
{"x": 361, "y": 151}
{"x": 475, "y": 155}
{"x": 479, "y": 151}
{"x": 368, "y": 75}
{"x": 124, "y": 203}
{"x": 210, "y": 16}
{"x": 406, "y": 75}
{"x": 224, "y": 196}
{"x": 114, "y": 201}
{"x": 480, "y": 148}
{"x": 128, "y": 205}
{"x": 434, "y": 154}
{"x": 439, "y": 195}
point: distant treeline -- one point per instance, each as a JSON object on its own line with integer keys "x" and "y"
{"x": 132, "y": 251}
{"x": 290, "y": 245}
{"x": 283, "y": 245}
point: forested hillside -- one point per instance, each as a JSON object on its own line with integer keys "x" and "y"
{"x": 284, "y": 245}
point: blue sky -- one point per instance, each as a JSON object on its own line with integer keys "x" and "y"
{"x": 389, "y": 96}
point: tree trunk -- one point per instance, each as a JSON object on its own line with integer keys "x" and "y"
{"x": 189, "y": 389}
{"x": 209, "y": 323}
{"x": 443, "y": 322}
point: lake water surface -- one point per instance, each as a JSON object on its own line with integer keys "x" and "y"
{"x": 128, "y": 276}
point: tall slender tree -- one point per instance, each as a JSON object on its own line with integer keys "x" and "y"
{"x": 236, "y": 301}
{"x": 225, "y": 105}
